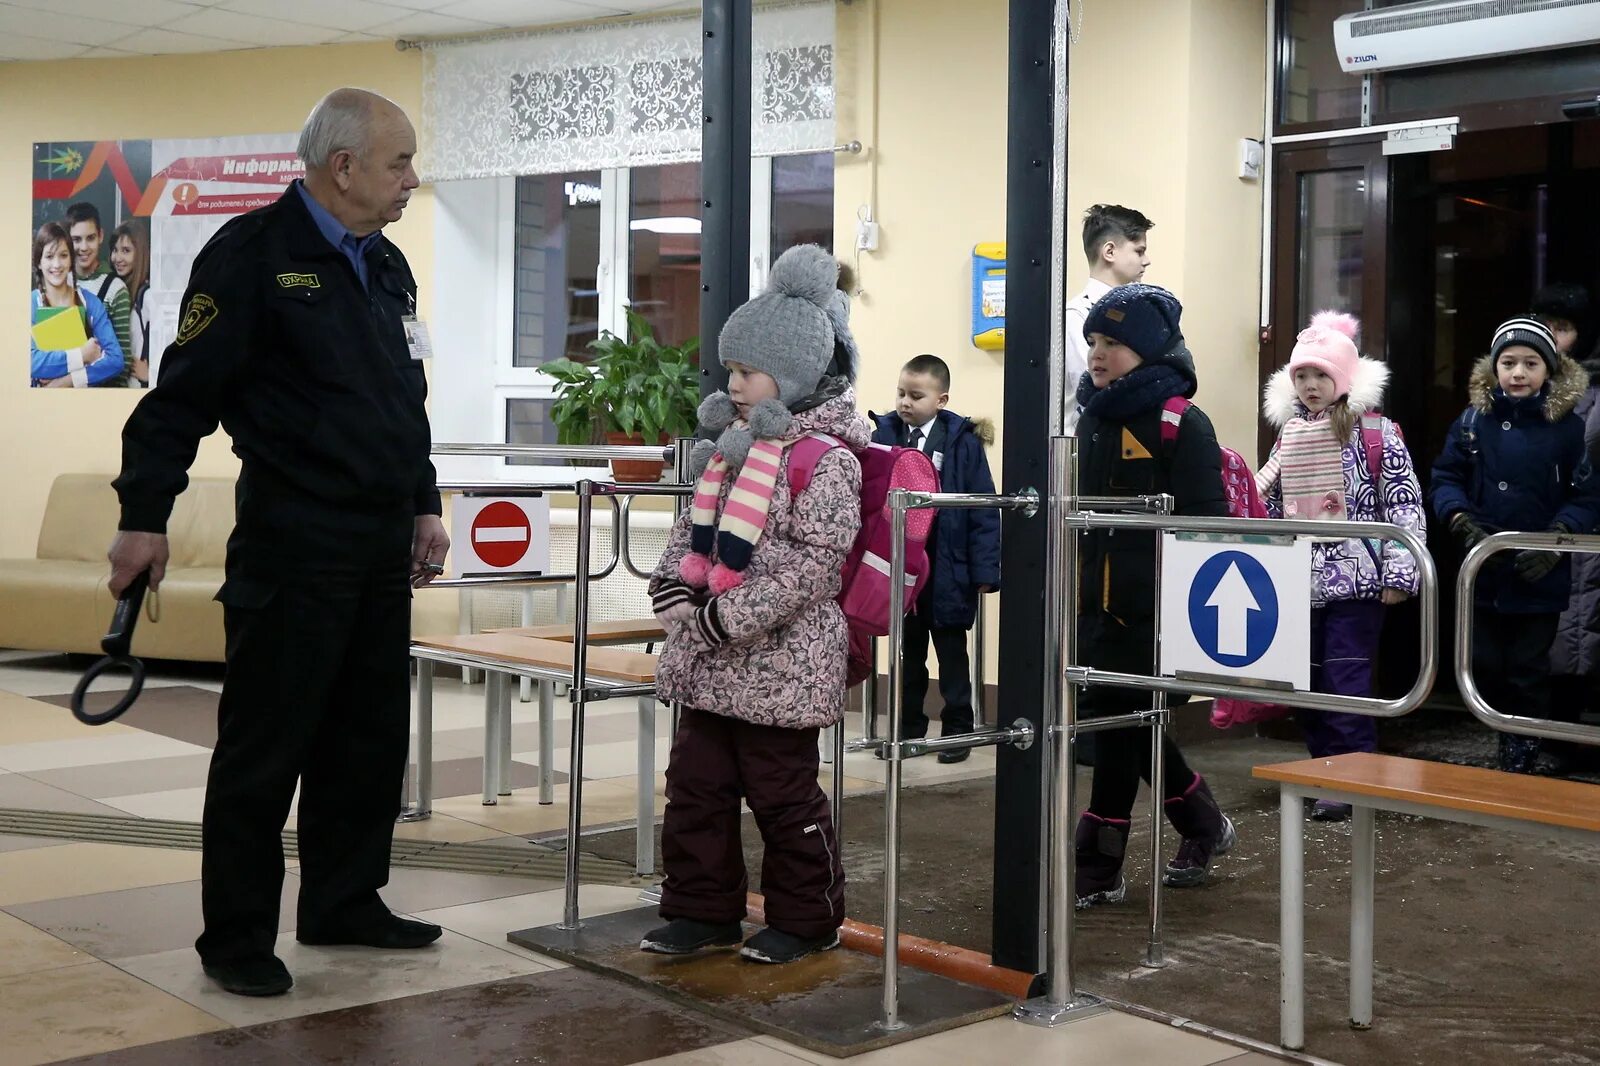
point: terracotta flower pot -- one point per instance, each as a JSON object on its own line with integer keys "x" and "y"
{"x": 635, "y": 471}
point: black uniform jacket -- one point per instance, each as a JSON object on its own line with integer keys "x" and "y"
{"x": 1116, "y": 604}
{"x": 311, "y": 376}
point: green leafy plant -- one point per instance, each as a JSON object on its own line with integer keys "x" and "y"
{"x": 634, "y": 385}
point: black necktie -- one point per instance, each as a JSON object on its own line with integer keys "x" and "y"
{"x": 916, "y": 438}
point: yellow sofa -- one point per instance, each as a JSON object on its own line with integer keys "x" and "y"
{"x": 58, "y": 601}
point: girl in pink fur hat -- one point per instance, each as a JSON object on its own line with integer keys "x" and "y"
{"x": 1337, "y": 459}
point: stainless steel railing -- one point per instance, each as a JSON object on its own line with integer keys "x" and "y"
{"x": 1471, "y": 567}
{"x": 892, "y": 747}
{"x": 1070, "y": 515}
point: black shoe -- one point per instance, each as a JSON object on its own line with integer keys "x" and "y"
{"x": 393, "y": 932}
{"x": 261, "y": 975}
{"x": 1519, "y": 754}
{"x": 685, "y": 936}
{"x": 958, "y": 755}
{"x": 774, "y": 946}
{"x": 1330, "y": 811}
{"x": 1189, "y": 866}
{"x": 1099, "y": 844}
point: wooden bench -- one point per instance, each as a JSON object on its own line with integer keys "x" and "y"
{"x": 622, "y": 631}
{"x": 1369, "y": 783}
{"x": 546, "y": 660}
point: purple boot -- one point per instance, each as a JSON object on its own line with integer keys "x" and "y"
{"x": 1101, "y": 844}
{"x": 1206, "y": 832}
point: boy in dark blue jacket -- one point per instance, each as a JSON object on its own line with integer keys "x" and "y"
{"x": 1515, "y": 460}
{"x": 963, "y": 548}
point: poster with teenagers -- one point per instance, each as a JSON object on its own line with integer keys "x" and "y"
{"x": 165, "y": 199}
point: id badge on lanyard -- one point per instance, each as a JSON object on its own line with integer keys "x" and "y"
{"x": 418, "y": 342}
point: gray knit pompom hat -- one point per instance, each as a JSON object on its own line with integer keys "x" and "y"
{"x": 787, "y": 331}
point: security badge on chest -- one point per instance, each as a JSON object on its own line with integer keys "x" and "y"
{"x": 418, "y": 342}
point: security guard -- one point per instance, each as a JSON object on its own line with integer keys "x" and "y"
{"x": 295, "y": 338}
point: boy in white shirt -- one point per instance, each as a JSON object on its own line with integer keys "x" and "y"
{"x": 1114, "y": 240}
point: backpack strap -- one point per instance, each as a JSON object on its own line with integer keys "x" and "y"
{"x": 105, "y": 284}
{"x": 1372, "y": 425}
{"x": 1171, "y": 418}
{"x": 804, "y": 455}
{"x": 1469, "y": 430}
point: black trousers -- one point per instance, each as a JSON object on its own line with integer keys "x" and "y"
{"x": 317, "y": 692}
{"x": 715, "y": 761}
{"x": 1121, "y": 757}
{"x": 955, "y": 678}
{"x": 1511, "y": 660}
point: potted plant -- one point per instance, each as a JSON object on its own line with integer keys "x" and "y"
{"x": 635, "y": 390}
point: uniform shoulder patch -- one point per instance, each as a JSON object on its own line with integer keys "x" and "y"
{"x": 200, "y": 313}
{"x": 299, "y": 281}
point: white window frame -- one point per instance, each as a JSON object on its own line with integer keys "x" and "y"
{"x": 497, "y": 273}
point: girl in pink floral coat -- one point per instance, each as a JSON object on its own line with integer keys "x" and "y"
{"x": 756, "y": 647}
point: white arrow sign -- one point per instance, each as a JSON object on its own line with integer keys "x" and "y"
{"x": 1233, "y": 602}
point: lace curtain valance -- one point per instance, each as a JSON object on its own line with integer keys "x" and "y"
{"x": 618, "y": 95}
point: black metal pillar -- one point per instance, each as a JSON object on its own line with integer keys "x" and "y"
{"x": 724, "y": 177}
{"x": 1020, "y": 785}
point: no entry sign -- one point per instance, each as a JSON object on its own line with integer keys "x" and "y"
{"x": 500, "y": 536}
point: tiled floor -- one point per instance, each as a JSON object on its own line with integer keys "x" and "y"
{"x": 96, "y": 957}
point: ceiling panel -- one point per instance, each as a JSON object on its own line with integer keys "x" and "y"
{"x": 46, "y": 26}
{"x": 233, "y": 26}
{"x": 62, "y": 29}
{"x": 136, "y": 12}
{"x": 19, "y": 46}
{"x": 347, "y": 15}
{"x": 527, "y": 12}
{"x": 431, "y": 22}
{"x": 164, "y": 42}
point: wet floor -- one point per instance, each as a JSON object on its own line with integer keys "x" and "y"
{"x": 1485, "y": 944}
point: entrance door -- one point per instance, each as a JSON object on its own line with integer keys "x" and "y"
{"x": 1329, "y": 248}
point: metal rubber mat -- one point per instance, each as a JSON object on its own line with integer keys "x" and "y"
{"x": 526, "y": 859}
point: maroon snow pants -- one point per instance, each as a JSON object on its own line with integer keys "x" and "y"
{"x": 715, "y": 762}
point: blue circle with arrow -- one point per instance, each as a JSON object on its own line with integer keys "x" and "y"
{"x": 1233, "y": 608}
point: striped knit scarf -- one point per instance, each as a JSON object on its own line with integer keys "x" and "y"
{"x": 1311, "y": 465}
{"x": 744, "y": 516}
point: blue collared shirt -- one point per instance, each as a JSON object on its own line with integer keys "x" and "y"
{"x": 354, "y": 248}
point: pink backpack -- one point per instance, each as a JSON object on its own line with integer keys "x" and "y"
{"x": 1244, "y": 501}
{"x": 1238, "y": 483}
{"x": 864, "y": 593}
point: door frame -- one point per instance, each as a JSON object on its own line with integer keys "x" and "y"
{"x": 1285, "y": 319}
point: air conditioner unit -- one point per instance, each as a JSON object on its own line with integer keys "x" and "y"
{"x": 1449, "y": 31}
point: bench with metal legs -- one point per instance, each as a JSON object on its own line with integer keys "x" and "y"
{"x": 511, "y": 655}
{"x": 1370, "y": 783}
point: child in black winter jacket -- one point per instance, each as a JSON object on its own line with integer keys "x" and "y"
{"x": 1137, "y": 362}
{"x": 963, "y": 548}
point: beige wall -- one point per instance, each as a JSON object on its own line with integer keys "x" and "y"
{"x": 1160, "y": 98}
{"x": 1156, "y": 126}
{"x": 45, "y": 432}
{"x": 1161, "y": 93}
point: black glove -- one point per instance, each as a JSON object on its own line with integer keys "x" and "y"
{"x": 1468, "y": 533}
{"x": 1532, "y": 565}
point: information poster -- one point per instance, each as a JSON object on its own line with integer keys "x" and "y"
{"x": 116, "y": 228}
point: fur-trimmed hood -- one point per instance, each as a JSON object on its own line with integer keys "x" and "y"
{"x": 1561, "y": 393}
{"x": 1279, "y": 402}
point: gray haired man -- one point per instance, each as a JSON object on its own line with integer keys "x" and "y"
{"x": 294, "y": 338}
